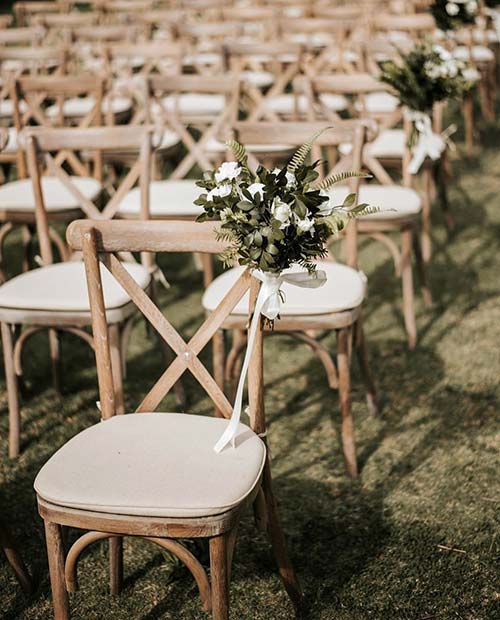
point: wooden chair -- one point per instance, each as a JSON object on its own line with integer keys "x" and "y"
{"x": 402, "y": 206}
{"x": 53, "y": 296}
{"x": 334, "y": 307}
{"x": 25, "y": 9}
{"x": 184, "y": 497}
{"x": 58, "y": 26}
{"x": 24, "y": 35}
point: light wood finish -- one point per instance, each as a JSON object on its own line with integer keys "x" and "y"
{"x": 100, "y": 242}
{"x": 46, "y": 144}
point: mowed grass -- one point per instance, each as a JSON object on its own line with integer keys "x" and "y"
{"x": 415, "y": 538}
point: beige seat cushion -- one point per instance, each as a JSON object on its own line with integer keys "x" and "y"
{"x": 378, "y": 103}
{"x": 213, "y": 145}
{"x": 18, "y": 195}
{"x": 196, "y": 104}
{"x": 154, "y": 465}
{"x": 285, "y": 104}
{"x": 76, "y": 107}
{"x": 259, "y": 79}
{"x": 202, "y": 58}
{"x": 63, "y": 287}
{"x": 479, "y": 53}
{"x": 343, "y": 290}
{"x": 389, "y": 144}
{"x": 11, "y": 145}
{"x": 167, "y": 199}
{"x": 394, "y": 201}
{"x": 7, "y": 108}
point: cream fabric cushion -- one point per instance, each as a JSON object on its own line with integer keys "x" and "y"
{"x": 285, "y": 104}
{"x": 480, "y": 53}
{"x": 195, "y": 103}
{"x": 378, "y": 103}
{"x": 154, "y": 465}
{"x": 63, "y": 287}
{"x": 168, "y": 139}
{"x": 394, "y": 201}
{"x": 75, "y": 107}
{"x": 203, "y": 58}
{"x": 343, "y": 290}
{"x": 11, "y": 146}
{"x": 7, "y": 108}
{"x": 18, "y": 195}
{"x": 260, "y": 79}
{"x": 389, "y": 144}
{"x": 166, "y": 198}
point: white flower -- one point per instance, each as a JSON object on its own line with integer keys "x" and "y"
{"x": 443, "y": 53}
{"x": 471, "y": 74}
{"x": 471, "y": 7}
{"x": 451, "y": 68}
{"x": 290, "y": 177}
{"x": 452, "y": 9}
{"x": 221, "y": 191}
{"x": 306, "y": 225}
{"x": 281, "y": 212}
{"x": 256, "y": 187}
{"x": 228, "y": 171}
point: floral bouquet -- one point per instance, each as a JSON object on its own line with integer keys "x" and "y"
{"x": 424, "y": 76}
{"x": 274, "y": 219}
{"x": 453, "y": 14}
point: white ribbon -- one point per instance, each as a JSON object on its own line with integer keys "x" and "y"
{"x": 429, "y": 144}
{"x": 268, "y": 304}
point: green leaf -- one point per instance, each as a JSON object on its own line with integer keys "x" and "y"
{"x": 244, "y": 205}
{"x": 349, "y": 201}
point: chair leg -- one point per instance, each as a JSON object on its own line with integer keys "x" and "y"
{"x": 115, "y": 564}
{"x": 422, "y": 271}
{"x": 426, "y": 215}
{"x": 364, "y": 364}
{"x": 54, "y": 345}
{"x": 15, "y": 560}
{"x": 407, "y": 286}
{"x": 468, "y": 112}
{"x": 344, "y": 372}
{"x": 278, "y": 542}
{"x": 55, "y": 553}
{"x": 12, "y": 391}
{"x": 219, "y": 577}
{"x": 116, "y": 366}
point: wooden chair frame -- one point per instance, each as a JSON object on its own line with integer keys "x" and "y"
{"x": 99, "y": 242}
{"x": 412, "y": 242}
{"x": 210, "y": 126}
{"x": 347, "y": 325}
{"x": 41, "y": 144}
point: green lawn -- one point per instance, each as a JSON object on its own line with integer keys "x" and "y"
{"x": 414, "y": 539}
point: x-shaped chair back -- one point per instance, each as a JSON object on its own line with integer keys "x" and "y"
{"x": 24, "y": 10}
{"x": 19, "y": 60}
{"x": 356, "y": 86}
{"x": 173, "y": 117}
{"x": 284, "y": 59}
{"x": 58, "y": 26}
{"x": 24, "y": 35}
{"x": 342, "y": 132}
{"x": 415, "y": 25}
{"x": 100, "y": 241}
{"x": 43, "y": 146}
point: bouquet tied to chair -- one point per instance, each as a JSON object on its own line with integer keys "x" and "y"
{"x": 426, "y": 75}
{"x": 272, "y": 220}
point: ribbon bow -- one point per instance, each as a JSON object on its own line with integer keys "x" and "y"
{"x": 429, "y": 144}
{"x": 268, "y": 304}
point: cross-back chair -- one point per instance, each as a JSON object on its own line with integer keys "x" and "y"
{"x": 168, "y": 495}
{"x": 24, "y": 35}
{"x": 401, "y": 205}
{"x": 58, "y": 26}
{"x": 53, "y": 296}
{"x": 335, "y": 307}
{"x": 23, "y": 10}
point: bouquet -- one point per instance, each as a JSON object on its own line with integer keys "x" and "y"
{"x": 428, "y": 74}
{"x": 453, "y": 14}
{"x": 273, "y": 219}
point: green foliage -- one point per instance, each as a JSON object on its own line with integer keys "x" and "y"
{"x": 333, "y": 179}
{"x": 303, "y": 151}
{"x": 239, "y": 152}
{"x": 450, "y": 14}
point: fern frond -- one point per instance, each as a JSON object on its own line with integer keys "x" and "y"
{"x": 303, "y": 151}
{"x": 333, "y": 179}
{"x": 239, "y": 152}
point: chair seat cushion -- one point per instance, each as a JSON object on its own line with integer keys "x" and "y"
{"x": 154, "y": 465}
{"x": 378, "y": 103}
{"x": 18, "y": 195}
{"x": 394, "y": 201}
{"x": 213, "y": 145}
{"x": 343, "y": 290}
{"x": 259, "y": 79}
{"x": 389, "y": 144}
{"x": 76, "y": 107}
{"x": 7, "y": 108}
{"x": 11, "y": 141}
{"x": 478, "y": 53}
{"x": 63, "y": 287}
{"x": 167, "y": 198}
{"x": 197, "y": 104}
{"x": 285, "y": 104}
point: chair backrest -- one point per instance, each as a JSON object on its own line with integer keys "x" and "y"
{"x": 414, "y": 23}
{"x": 343, "y": 132}
{"x": 100, "y": 242}
{"x": 24, "y": 35}
{"x": 24, "y": 9}
{"x": 170, "y": 103}
{"x": 17, "y": 60}
{"x": 44, "y": 147}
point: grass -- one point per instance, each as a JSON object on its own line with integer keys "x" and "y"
{"x": 416, "y": 538}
